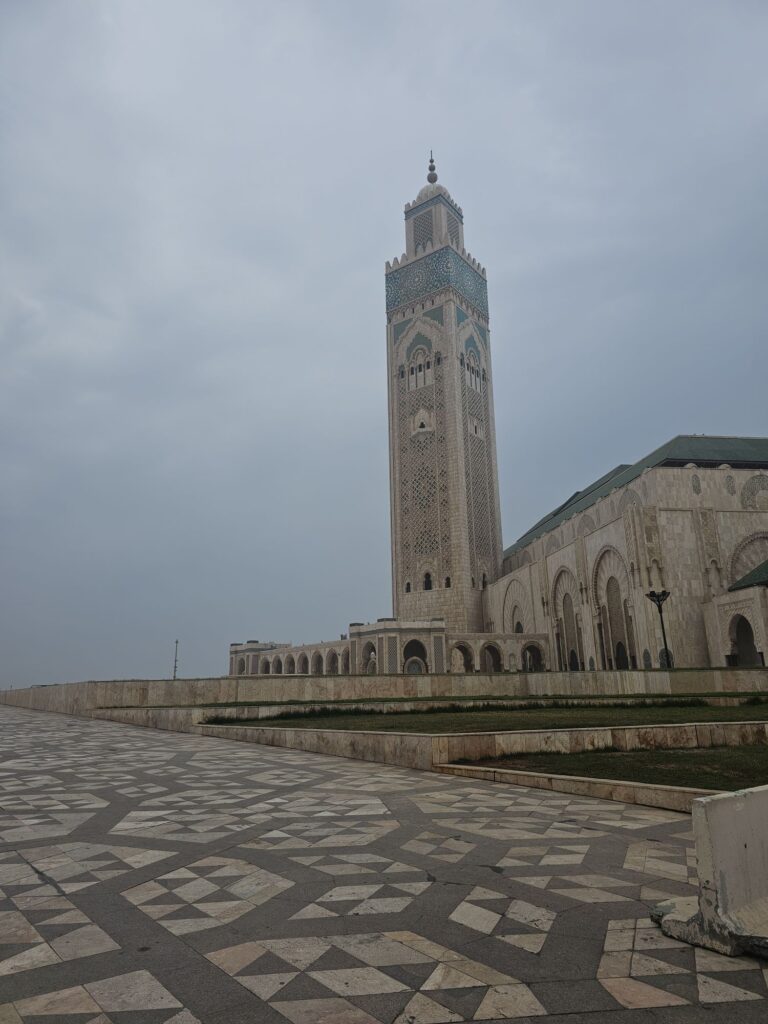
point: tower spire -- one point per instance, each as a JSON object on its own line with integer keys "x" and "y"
{"x": 432, "y": 176}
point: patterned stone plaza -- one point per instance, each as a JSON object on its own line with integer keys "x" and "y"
{"x": 157, "y": 877}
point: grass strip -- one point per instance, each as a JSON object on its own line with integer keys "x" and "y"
{"x": 456, "y": 719}
{"x": 492, "y": 699}
{"x": 726, "y": 768}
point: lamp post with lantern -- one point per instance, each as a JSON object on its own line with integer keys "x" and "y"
{"x": 658, "y": 597}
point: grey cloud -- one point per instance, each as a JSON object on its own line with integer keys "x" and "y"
{"x": 196, "y": 203}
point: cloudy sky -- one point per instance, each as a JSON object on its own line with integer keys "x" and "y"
{"x": 197, "y": 198}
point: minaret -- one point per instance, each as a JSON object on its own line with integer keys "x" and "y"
{"x": 446, "y": 537}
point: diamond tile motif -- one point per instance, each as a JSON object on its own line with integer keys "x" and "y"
{"x": 393, "y": 780}
{"x": 356, "y": 864}
{"x": 307, "y": 835}
{"x": 585, "y": 888}
{"x": 663, "y": 860}
{"x": 551, "y": 854}
{"x": 39, "y": 931}
{"x": 70, "y": 867}
{"x": 51, "y": 801}
{"x": 533, "y": 811}
{"x": 376, "y": 964}
{"x": 206, "y": 894}
{"x": 33, "y": 819}
{"x": 204, "y": 814}
{"x": 527, "y": 827}
{"x": 281, "y": 777}
{"x": 431, "y": 844}
{"x": 360, "y": 900}
{"x": 138, "y": 992}
{"x": 196, "y": 815}
{"x": 515, "y": 922}
{"x": 641, "y": 968}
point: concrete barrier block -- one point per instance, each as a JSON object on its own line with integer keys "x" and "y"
{"x": 731, "y": 833}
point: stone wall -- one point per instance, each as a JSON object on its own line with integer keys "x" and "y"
{"x": 422, "y": 750}
{"x": 81, "y": 698}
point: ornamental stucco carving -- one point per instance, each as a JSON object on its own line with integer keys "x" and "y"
{"x": 754, "y": 493}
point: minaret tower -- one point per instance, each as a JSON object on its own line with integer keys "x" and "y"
{"x": 444, "y": 492}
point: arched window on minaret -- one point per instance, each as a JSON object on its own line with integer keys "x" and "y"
{"x": 420, "y": 369}
{"x": 473, "y": 372}
{"x": 427, "y": 580}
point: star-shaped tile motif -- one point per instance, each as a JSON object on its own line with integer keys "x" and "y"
{"x": 206, "y": 894}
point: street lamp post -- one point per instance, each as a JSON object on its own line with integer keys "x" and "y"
{"x": 658, "y": 598}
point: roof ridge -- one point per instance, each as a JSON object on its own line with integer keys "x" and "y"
{"x": 673, "y": 451}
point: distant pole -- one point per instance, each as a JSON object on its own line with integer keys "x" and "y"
{"x": 658, "y": 598}
{"x": 175, "y": 658}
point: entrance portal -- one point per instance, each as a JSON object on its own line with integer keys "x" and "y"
{"x": 743, "y": 642}
{"x": 415, "y": 657}
{"x": 532, "y": 660}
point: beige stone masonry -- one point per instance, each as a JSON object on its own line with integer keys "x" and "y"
{"x": 79, "y": 698}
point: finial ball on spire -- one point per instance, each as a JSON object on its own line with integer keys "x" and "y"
{"x": 432, "y": 176}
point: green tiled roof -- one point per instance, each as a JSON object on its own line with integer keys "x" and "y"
{"x": 758, "y": 577}
{"x": 705, "y": 451}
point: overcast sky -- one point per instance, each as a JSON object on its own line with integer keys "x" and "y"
{"x": 196, "y": 203}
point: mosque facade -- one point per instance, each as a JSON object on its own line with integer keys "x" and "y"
{"x": 689, "y": 520}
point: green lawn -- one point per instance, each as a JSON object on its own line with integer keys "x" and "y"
{"x": 703, "y": 768}
{"x": 494, "y": 720}
{"x": 486, "y": 698}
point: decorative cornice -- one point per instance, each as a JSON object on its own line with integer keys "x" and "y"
{"x": 443, "y": 268}
{"x": 419, "y": 207}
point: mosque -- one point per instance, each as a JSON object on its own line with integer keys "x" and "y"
{"x": 689, "y": 520}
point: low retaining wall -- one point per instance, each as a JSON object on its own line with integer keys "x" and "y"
{"x": 479, "y": 746}
{"x": 412, "y": 750}
{"x": 423, "y": 750}
{"x": 731, "y": 913}
{"x": 671, "y": 798}
{"x": 170, "y": 719}
{"x": 79, "y": 698}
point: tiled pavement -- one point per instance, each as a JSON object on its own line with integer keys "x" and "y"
{"x": 150, "y": 877}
